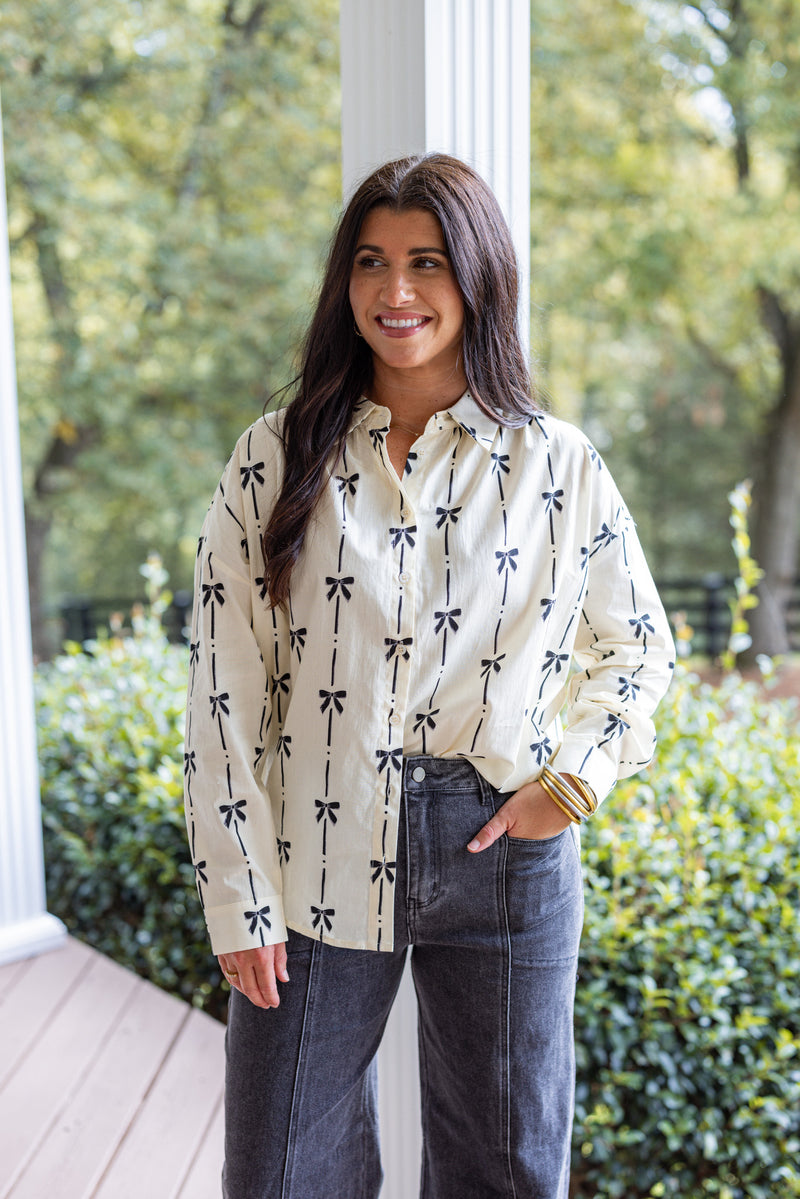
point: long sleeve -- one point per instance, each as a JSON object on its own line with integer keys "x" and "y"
{"x": 228, "y": 814}
{"x": 440, "y": 613}
{"x": 623, "y": 650}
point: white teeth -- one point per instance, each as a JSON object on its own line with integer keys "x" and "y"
{"x": 402, "y": 324}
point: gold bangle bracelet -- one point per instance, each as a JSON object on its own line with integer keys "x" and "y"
{"x": 564, "y": 805}
{"x": 585, "y": 793}
{"x": 580, "y": 796}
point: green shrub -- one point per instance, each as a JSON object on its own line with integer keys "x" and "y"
{"x": 111, "y": 756}
{"x": 688, "y": 1009}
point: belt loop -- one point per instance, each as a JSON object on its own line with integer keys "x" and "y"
{"x": 487, "y": 792}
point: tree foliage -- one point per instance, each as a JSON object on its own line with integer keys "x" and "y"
{"x": 667, "y": 259}
{"x": 173, "y": 172}
{"x": 173, "y": 168}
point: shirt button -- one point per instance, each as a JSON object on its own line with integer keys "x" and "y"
{"x": 418, "y": 774}
{"x": 396, "y": 719}
{"x": 404, "y": 577}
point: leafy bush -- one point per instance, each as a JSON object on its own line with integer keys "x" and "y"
{"x": 688, "y": 1009}
{"x": 118, "y": 872}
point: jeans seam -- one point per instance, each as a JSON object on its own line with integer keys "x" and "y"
{"x": 506, "y": 1039}
{"x": 423, "y": 1099}
{"x": 290, "y": 1141}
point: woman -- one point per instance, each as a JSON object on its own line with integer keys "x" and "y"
{"x": 395, "y": 577}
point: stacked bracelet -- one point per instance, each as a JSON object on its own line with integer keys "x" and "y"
{"x": 576, "y": 800}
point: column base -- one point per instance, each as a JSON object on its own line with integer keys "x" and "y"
{"x": 29, "y": 937}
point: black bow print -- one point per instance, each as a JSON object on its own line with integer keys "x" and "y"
{"x": 323, "y": 915}
{"x": 552, "y": 499}
{"x": 639, "y": 623}
{"x": 261, "y": 916}
{"x": 347, "y": 482}
{"x": 385, "y": 868}
{"x": 326, "y": 810}
{"x": 251, "y": 471}
{"x": 212, "y": 592}
{"x": 332, "y": 697}
{"x": 604, "y": 537}
{"x": 447, "y": 514}
{"x": 425, "y": 718}
{"x": 406, "y": 534}
{"x": 218, "y": 702}
{"x": 616, "y": 726}
{"x": 447, "y": 617}
{"x": 389, "y": 757}
{"x": 627, "y": 688}
{"x": 342, "y": 585}
{"x": 505, "y": 558}
{"x": 542, "y": 749}
{"x": 397, "y": 647}
{"x": 281, "y": 683}
{"x": 235, "y": 811}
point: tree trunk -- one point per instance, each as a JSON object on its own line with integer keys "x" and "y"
{"x": 37, "y": 528}
{"x": 777, "y": 530}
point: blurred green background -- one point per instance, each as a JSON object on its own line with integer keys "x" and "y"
{"x": 173, "y": 174}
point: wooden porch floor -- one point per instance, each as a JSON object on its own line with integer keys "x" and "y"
{"x": 109, "y": 1087}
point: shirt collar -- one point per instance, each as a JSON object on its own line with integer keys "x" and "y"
{"x": 482, "y": 428}
{"x": 465, "y": 412}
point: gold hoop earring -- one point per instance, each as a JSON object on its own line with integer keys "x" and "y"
{"x": 358, "y": 331}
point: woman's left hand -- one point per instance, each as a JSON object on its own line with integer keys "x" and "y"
{"x": 529, "y": 813}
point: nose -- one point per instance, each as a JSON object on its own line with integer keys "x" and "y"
{"x": 397, "y": 288}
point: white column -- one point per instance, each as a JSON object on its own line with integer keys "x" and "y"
{"x": 453, "y": 76}
{"x": 25, "y": 925}
{"x": 449, "y": 75}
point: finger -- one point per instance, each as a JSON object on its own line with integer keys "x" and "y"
{"x": 489, "y": 833}
{"x": 263, "y": 984}
{"x": 229, "y": 970}
{"x": 281, "y": 968}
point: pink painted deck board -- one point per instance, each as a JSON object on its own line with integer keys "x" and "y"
{"x": 108, "y": 1086}
{"x": 167, "y": 1135}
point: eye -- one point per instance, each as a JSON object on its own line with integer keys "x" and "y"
{"x": 427, "y": 264}
{"x": 368, "y": 262}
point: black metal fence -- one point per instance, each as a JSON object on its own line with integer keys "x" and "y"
{"x": 704, "y": 604}
{"x": 82, "y": 619}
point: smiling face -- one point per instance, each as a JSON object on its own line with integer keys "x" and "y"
{"x": 404, "y": 296}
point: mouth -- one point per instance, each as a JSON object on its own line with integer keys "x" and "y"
{"x": 402, "y": 324}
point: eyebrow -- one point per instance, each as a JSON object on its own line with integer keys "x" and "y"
{"x": 411, "y": 252}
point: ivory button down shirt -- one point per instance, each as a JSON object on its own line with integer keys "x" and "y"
{"x": 492, "y": 604}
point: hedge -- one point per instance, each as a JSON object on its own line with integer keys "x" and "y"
{"x": 688, "y": 1003}
{"x": 688, "y": 1007}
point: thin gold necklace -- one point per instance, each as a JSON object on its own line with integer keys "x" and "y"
{"x": 399, "y": 424}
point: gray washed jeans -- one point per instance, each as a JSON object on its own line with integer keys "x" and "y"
{"x": 494, "y": 946}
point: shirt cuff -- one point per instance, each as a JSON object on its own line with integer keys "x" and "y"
{"x": 246, "y": 925}
{"x": 595, "y": 769}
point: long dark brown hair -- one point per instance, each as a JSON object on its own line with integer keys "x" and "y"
{"x": 336, "y": 365}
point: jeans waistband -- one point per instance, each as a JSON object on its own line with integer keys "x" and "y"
{"x": 422, "y": 772}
